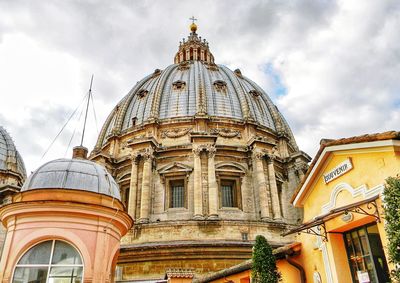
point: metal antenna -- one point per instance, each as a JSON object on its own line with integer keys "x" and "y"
{"x": 87, "y": 107}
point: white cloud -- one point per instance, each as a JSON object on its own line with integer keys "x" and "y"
{"x": 338, "y": 60}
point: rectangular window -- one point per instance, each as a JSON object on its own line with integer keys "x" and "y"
{"x": 228, "y": 193}
{"x": 177, "y": 193}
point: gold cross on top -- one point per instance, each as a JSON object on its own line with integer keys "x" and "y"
{"x": 193, "y": 19}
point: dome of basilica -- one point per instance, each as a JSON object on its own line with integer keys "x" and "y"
{"x": 194, "y": 86}
{"x": 10, "y": 159}
{"x": 74, "y": 174}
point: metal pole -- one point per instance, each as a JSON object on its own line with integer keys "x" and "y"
{"x": 87, "y": 107}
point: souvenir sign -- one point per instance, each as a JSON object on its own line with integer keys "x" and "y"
{"x": 338, "y": 171}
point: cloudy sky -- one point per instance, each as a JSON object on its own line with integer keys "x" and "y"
{"x": 332, "y": 67}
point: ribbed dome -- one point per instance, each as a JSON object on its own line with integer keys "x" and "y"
{"x": 194, "y": 86}
{"x": 10, "y": 159}
{"x": 74, "y": 174}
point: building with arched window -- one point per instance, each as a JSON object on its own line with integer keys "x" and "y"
{"x": 65, "y": 225}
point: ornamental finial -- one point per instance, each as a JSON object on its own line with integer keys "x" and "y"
{"x": 193, "y": 26}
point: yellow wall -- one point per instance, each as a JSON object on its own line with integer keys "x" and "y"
{"x": 242, "y": 277}
{"x": 289, "y": 273}
{"x": 371, "y": 166}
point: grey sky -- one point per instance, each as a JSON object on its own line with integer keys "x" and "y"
{"x": 330, "y": 66}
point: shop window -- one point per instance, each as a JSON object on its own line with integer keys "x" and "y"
{"x": 365, "y": 254}
{"x": 50, "y": 261}
{"x": 229, "y": 193}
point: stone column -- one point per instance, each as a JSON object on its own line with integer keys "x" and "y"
{"x": 133, "y": 187}
{"x": 197, "y": 187}
{"x": 301, "y": 167}
{"x": 212, "y": 184}
{"x": 146, "y": 186}
{"x": 276, "y": 206}
{"x": 258, "y": 168}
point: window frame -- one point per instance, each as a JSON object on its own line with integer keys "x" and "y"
{"x": 168, "y": 191}
{"x": 236, "y": 193}
{"x": 49, "y": 265}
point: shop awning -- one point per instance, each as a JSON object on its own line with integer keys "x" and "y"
{"x": 317, "y": 225}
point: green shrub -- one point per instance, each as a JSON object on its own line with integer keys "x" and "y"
{"x": 392, "y": 227}
{"x": 264, "y": 263}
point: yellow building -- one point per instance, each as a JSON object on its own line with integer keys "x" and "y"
{"x": 343, "y": 237}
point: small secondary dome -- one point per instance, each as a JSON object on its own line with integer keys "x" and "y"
{"x": 10, "y": 159}
{"x": 74, "y": 174}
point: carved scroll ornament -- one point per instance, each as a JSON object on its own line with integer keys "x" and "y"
{"x": 175, "y": 133}
{"x": 226, "y": 133}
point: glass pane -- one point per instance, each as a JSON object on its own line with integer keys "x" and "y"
{"x": 227, "y": 196}
{"x": 364, "y": 242}
{"x": 177, "y": 196}
{"x": 356, "y": 243}
{"x": 65, "y": 254}
{"x": 30, "y": 275}
{"x": 39, "y": 254}
{"x": 65, "y": 275}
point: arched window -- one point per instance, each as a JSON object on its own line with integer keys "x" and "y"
{"x": 49, "y": 262}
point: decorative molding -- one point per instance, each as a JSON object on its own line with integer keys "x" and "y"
{"x": 179, "y": 273}
{"x": 238, "y": 73}
{"x": 360, "y": 191}
{"x": 156, "y": 73}
{"x": 271, "y": 157}
{"x": 179, "y": 85}
{"x": 226, "y": 133}
{"x": 300, "y": 167}
{"x": 212, "y": 67}
{"x": 142, "y": 93}
{"x": 175, "y": 133}
{"x": 219, "y": 85}
{"x": 174, "y": 168}
{"x": 197, "y": 149}
{"x": 185, "y": 65}
{"x": 258, "y": 154}
{"x": 254, "y": 93}
{"x": 211, "y": 150}
{"x": 147, "y": 153}
{"x": 238, "y": 167}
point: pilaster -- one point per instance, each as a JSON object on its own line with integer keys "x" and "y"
{"x": 146, "y": 186}
{"x": 212, "y": 184}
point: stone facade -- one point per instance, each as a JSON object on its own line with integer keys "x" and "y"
{"x": 200, "y": 182}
